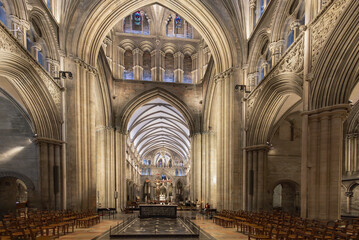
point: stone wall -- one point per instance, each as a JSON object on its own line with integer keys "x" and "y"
{"x": 18, "y": 153}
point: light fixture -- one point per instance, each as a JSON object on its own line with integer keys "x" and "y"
{"x": 64, "y": 75}
{"x": 241, "y": 88}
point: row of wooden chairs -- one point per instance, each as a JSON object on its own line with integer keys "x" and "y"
{"x": 279, "y": 225}
{"x": 44, "y": 224}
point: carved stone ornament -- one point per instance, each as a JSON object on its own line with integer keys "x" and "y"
{"x": 324, "y": 25}
{"x": 10, "y": 45}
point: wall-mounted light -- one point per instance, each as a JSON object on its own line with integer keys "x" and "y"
{"x": 64, "y": 75}
{"x": 242, "y": 88}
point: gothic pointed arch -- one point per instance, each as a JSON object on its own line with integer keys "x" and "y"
{"x": 35, "y": 95}
{"x": 336, "y": 71}
{"x": 101, "y": 20}
{"x": 266, "y": 102}
{"x": 145, "y": 97}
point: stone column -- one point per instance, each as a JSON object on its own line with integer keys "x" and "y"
{"x": 161, "y": 68}
{"x": 252, "y": 17}
{"x": 120, "y": 163}
{"x": 57, "y": 178}
{"x": 44, "y": 175}
{"x": 178, "y": 67}
{"x": 36, "y": 48}
{"x": 324, "y": 144}
{"x": 349, "y": 196}
{"x": 138, "y": 64}
{"x": 276, "y": 49}
{"x": 81, "y": 132}
{"x": 121, "y": 62}
{"x": 19, "y": 29}
{"x": 257, "y": 158}
{"x": 265, "y": 67}
{"x": 154, "y": 66}
{"x": 225, "y": 172}
{"x": 295, "y": 27}
{"x": 195, "y": 69}
{"x": 252, "y": 80}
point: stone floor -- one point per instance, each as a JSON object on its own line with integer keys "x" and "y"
{"x": 209, "y": 230}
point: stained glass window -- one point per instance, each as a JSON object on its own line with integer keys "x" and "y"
{"x": 28, "y": 43}
{"x": 290, "y": 38}
{"x": 137, "y": 18}
{"x": 41, "y": 58}
{"x": 49, "y": 4}
{"x": 178, "y": 22}
{"x": 261, "y": 7}
{"x": 2, "y": 13}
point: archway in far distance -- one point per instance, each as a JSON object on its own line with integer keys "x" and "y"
{"x": 158, "y": 140}
{"x": 13, "y": 194}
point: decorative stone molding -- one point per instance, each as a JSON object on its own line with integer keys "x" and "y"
{"x": 10, "y": 45}
{"x": 292, "y": 61}
{"x": 87, "y": 66}
{"x": 277, "y": 47}
{"x": 224, "y": 75}
{"x": 324, "y": 25}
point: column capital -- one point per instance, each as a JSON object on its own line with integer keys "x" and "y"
{"x": 261, "y": 147}
{"x": 137, "y": 51}
{"x": 178, "y": 54}
{"x": 194, "y": 56}
{"x": 252, "y": 4}
{"x": 336, "y": 111}
{"x": 276, "y": 47}
{"x": 121, "y": 49}
{"x": 85, "y": 65}
{"x": 37, "y": 46}
{"x": 295, "y": 24}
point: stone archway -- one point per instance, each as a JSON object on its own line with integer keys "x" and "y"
{"x": 15, "y": 188}
{"x": 286, "y": 197}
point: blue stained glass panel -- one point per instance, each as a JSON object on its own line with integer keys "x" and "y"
{"x": 290, "y": 39}
{"x": 49, "y": 4}
{"x": 137, "y": 18}
{"x": 2, "y": 14}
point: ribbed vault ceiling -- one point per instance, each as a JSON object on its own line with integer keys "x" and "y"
{"x": 157, "y": 125}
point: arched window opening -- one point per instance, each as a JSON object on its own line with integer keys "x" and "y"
{"x": 149, "y": 171}
{"x": 290, "y": 38}
{"x": 277, "y": 196}
{"x": 3, "y": 17}
{"x": 169, "y": 67}
{"x": 261, "y": 74}
{"x": 29, "y": 42}
{"x": 187, "y": 69}
{"x": 147, "y": 75}
{"x": 144, "y": 162}
{"x": 169, "y": 27}
{"x": 127, "y": 24}
{"x": 128, "y": 72}
{"x": 255, "y": 17}
{"x": 177, "y": 172}
{"x": 189, "y": 29}
{"x": 49, "y": 4}
{"x": 146, "y": 26}
{"x": 40, "y": 57}
{"x": 261, "y": 7}
{"x": 179, "y": 26}
{"x": 137, "y": 22}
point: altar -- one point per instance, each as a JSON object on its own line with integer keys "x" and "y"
{"x": 147, "y": 211}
